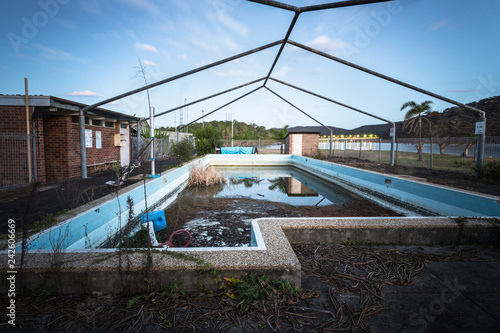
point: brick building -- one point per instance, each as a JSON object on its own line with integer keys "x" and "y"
{"x": 55, "y": 139}
{"x": 302, "y": 143}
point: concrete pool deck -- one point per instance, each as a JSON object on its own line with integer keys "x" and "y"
{"x": 108, "y": 271}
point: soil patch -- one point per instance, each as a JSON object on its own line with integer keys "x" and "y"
{"x": 342, "y": 290}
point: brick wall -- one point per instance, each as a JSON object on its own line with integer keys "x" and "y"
{"x": 62, "y": 148}
{"x": 310, "y": 144}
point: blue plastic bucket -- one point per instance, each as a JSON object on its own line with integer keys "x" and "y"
{"x": 158, "y": 218}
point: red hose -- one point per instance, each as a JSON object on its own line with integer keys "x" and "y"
{"x": 169, "y": 242}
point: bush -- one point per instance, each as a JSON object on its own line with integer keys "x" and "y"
{"x": 207, "y": 139}
{"x": 492, "y": 171}
{"x": 184, "y": 149}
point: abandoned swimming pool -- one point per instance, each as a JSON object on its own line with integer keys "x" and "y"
{"x": 220, "y": 215}
{"x": 92, "y": 228}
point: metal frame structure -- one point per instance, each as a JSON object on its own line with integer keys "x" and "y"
{"x": 283, "y": 43}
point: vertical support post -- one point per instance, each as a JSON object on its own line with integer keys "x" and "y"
{"x": 28, "y": 143}
{"x": 259, "y": 144}
{"x": 393, "y": 141}
{"x": 379, "y": 150}
{"x": 481, "y": 144}
{"x": 431, "y": 154}
{"x": 152, "y": 138}
{"x": 345, "y": 146}
{"x": 360, "y": 144}
{"x": 397, "y": 148}
{"x": 35, "y": 173}
{"x": 83, "y": 149}
{"x": 331, "y": 143}
{"x": 139, "y": 140}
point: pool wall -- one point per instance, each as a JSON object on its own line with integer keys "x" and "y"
{"x": 440, "y": 200}
{"x": 92, "y": 227}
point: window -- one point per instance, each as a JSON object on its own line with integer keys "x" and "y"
{"x": 96, "y": 122}
{"x": 123, "y": 125}
{"x": 75, "y": 119}
{"x": 109, "y": 124}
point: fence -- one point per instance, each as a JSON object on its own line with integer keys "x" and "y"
{"x": 441, "y": 153}
{"x": 14, "y": 159}
{"x": 163, "y": 148}
{"x": 259, "y": 144}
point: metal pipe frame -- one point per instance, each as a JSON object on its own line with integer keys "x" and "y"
{"x": 382, "y": 76}
{"x": 207, "y": 98}
{"x": 284, "y": 99}
{"x": 179, "y": 76}
{"x": 348, "y": 107}
{"x": 299, "y": 10}
{"x": 221, "y": 107}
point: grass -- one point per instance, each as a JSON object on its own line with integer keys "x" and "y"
{"x": 410, "y": 159}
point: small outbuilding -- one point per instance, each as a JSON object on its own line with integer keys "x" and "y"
{"x": 51, "y": 151}
{"x": 302, "y": 143}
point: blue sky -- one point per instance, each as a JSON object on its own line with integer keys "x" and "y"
{"x": 90, "y": 50}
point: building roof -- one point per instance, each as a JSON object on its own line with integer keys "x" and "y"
{"x": 61, "y": 106}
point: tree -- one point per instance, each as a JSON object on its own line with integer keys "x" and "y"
{"x": 413, "y": 120}
{"x": 207, "y": 139}
{"x": 279, "y": 135}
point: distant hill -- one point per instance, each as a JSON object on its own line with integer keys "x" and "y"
{"x": 454, "y": 121}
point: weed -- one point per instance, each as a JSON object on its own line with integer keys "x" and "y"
{"x": 132, "y": 301}
{"x": 253, "y": 288}
{"x": 173, "y": 291}
{"x": 47, "y": 292}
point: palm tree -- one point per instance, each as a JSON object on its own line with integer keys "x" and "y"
{"x": 279, "y": 135}
{"x": 413, "y": 120}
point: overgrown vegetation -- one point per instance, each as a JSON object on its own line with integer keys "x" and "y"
{"x": 207, "y": 139}
{"x": 184, "y": 149}
{"x": 204, "y": 176}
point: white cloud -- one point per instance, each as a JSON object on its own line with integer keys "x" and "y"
{"x": 328, "y": 45}
{"x": 145, "y": 47}
{"x": 281, "y": 72}
{"x": 233, "y": 25}
{"x": 234, "y": 73}
{"x": 143, "y": 4}
{"x": 56, "y": 54}
{"x": 149, "y": 63}
{"x": 182, "y": 56}
{"x": 437, "y": 25}
{"x": 84, "y": 93}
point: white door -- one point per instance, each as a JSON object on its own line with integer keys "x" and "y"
{"x": 296, "y": 144}
{"x": 124, "y": 145}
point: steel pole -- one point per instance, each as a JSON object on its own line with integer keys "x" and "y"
{"x": 481, "y": 144}
{"x": 152, "y": 138}
{"x": 83, "y": 149}
{"x": 331, "y": 143}
{"x": 393, "y": 141}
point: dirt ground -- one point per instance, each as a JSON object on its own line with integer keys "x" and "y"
{"x": 352, "y": 293}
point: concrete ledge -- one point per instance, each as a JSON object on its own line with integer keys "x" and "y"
{"x": 106, "y": 271}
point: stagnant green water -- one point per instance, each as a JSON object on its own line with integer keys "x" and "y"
{"x": 286, "y": 185}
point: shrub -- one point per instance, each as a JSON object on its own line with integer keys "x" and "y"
{"x": 207, "y": 139}
{"x": 184, "y": 149}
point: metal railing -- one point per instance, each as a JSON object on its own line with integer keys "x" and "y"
{"x": 14, "y": 159}
{"x": 459, "y": 153}
{"x": 163, "y": 148}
